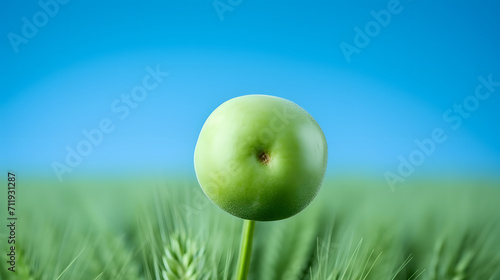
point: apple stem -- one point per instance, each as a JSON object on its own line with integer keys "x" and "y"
{"x": 245, "y": 249}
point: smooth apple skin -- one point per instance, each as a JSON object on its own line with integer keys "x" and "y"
{"x": 260, "y": 157}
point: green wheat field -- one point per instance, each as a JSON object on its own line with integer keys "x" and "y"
{"x": 168, "y": 229}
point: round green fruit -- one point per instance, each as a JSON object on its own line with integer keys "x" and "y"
{"x": 260, "y": 157}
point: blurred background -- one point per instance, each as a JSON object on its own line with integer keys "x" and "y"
{"x": 85, "y": 89}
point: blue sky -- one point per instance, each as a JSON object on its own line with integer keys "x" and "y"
{"x": 63, "y": 75}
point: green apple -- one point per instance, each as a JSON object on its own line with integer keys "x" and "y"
{"x": 260, "y": 157}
